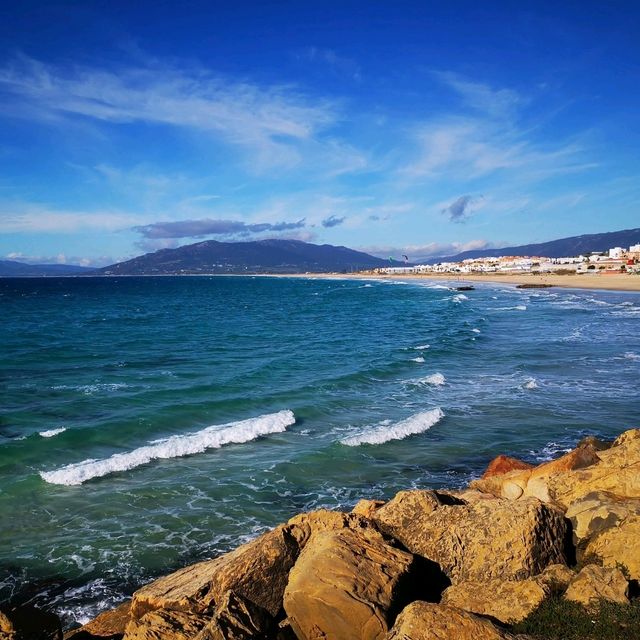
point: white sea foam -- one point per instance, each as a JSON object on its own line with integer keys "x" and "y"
{"x": 418, "y": 359}
{"x": 459, "y": 297}
{"x": 90, "y": 389}
{"x": 435, "y": 379}
{"x": 530, "y": 384}
{"x": 629, "y": 355}
{"x": 52, "y": 432}
{"x": 518, "y": 307}
{"x": 475, "y": 330}
{"x": 422, "y": 347}
{"x": 212, "y": 437}
{"x": 417, "y": 423}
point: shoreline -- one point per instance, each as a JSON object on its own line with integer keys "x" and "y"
{"x": 617, "y": 282}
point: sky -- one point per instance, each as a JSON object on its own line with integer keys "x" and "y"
{"x": 417, "y": 128}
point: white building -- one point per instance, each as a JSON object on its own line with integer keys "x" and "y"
{"x": 616, "y": 252}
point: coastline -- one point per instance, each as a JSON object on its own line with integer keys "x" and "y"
{"x": 616, "y": 282}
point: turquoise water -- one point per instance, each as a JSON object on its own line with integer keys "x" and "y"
{"x": 146, "y": 423}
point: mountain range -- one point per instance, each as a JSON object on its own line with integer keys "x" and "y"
{"x": 573, "y": 246}
{"x": 294, "y": 256}
{"x": 261, "y": 256}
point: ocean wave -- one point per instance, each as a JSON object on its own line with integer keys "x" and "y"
{"x": 435, "y": 379}
{"x": 422, "y": 347}
{"x": 419, "y": 359}
{"x": 630, "y": 355}
{"x": 518, "y": 307}
{"x": 415, "y": 424}
{"x": 212, "y": 437}
{"x": 530, "y": 384}
{"x": 460, "y": 297}
{"x": 52, "y": 432}
{"x": 475, "y": 330}
{"x": 90, "y": 389}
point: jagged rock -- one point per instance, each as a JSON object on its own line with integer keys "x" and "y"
{"x": 556, "y": 578}
{"x": 618, "y": 546}
{"x": 596, "y": 443}
{"x": 165, "y": 625}
{"x": 477, "y": 541}
{"x": 28, "y": 623}
{"x": 109, "y": 625}
{"x": 367, "y": 508}
{"x": 503, "y": 464}
{"x": 599, "y": 511}
{"x": 594, "y": 584}
{"x": 257, "y": 571}
{"x": 508, "y": 601}
{"x": 426, "y": 621}
{"x": 304, "y": 525}
{"x": 618, "y": 472}
{"x": 238, "y": 619}
{"x": 347, "y": 586}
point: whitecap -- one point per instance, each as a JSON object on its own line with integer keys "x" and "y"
{"x": 435, "y": 379}
{"x": 422, "y": 346}
{"x": 518, "y": 307}
{"x": 459, "y": 297}
{"x": 212, "y": 437}
{"x": 530, "y": 384}
{"x": 49, "y": 433}
{"x": 415, "y": 424}
{"x": 475, "y": 330}
{"x": 629, "y": 355}
{"x": 419, "y": 359}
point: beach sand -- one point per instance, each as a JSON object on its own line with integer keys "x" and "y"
{"x": 613, "y": 282}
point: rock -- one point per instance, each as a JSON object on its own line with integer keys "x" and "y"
{"x": 426, "y": 621}
{"x": 109, "y": 625}
{"x": 480, "y": 540}
{"x": 238, "y": 619}
{"x": 556, "y": 578}
{"x": 618, "y": 546}
{"x": 594, "y": 584}
{"x": 347, "y": 586}
{"x": 618, "y": 472}
{"x": 367, "y": 508}
{"x": 503, "y": 464}
{"x": 598, "y": 511}
{"x": 509, "y": 601}
{"x": 596, "y": 443}
{"x": 28, "y": 623}
{"x": 165, "y": 625}
{"x": 257, "y": 571}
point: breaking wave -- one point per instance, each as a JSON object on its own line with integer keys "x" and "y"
{"x": 417, "y": 423}
{"x": 52, "y": 432}
{"x": 212, "y": 437}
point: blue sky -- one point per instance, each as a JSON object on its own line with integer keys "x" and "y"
{"x": 418, "y": 128}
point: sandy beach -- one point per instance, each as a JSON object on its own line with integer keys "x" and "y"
{"x": 614, "y": 282}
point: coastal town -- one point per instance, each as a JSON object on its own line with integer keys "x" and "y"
{"x": 615, "y": 261}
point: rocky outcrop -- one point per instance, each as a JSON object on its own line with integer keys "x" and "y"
{"x": 347, "y": 586}
{"x": 163, "y": 624}
{"x": 426, "y": 621}
{"x": 478, "y": 541}
{"x": 594, "y": 584}
{"x": 618, "y": 546}
{"x": 367, "y": 508}
{"x": 109, "y": 625}
{"x": 556, "y": 578}
{"x": 238, "y": 619}
{"x": 508, "y": 601}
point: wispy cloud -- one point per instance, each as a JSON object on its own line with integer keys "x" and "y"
{"x": 333, "y": 221}
{"x": 60, "y": 258}
{"x": 341, "y": 64}
{"x": 268, "y": 120}
{"x": 461, "y": 209}
{"x": 208, "y": 227}
{"x": 418, "y": 252}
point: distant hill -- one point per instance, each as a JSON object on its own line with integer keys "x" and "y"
{"x": 573, "y": 246}
{"x": 261, "y": 256}
{"x": 11, "y": 268}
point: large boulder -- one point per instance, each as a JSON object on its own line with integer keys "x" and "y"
{"x": 478, "y": 541}
{"x": 28, "y": 623}
{"x": 598, "y": 511}
{"x": 163, "y": 624}
{"x": 556, "y": 578}
{"x": 238, "y": 619}
{"x": 509, "y": 601}
{"x": 257, "y": 571}
{"x": 594, "y": 584}
{"x": 426, "y": 621}
{"x": 618, "y": 546}
{"x": 618, "y": 472}
{"x": 348, "y": 587}
{"x": 109, "y": 625}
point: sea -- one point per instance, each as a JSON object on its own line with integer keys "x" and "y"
{"x": 150, "y": 422}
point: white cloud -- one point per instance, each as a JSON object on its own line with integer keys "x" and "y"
{"x": 417, "y": 252}
{"x": 269, "y": 121}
